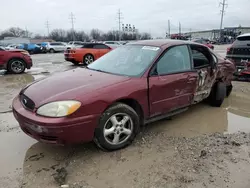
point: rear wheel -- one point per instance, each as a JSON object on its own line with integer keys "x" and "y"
{"x": 16, "y": 66}
{"x": 229, "y": 90}
{"x": 88, "y": 59}
{"x": 218, "y": 94}
{"x": 117, "y": 127}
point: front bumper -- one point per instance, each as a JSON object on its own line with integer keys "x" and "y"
{"x": 61, "y": 131}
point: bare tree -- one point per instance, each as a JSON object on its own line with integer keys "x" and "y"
{"x": 95, "y": 34}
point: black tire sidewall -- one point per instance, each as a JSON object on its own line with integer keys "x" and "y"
{"x": 218, "y": 94}
{"x": 117, "y": 108}
{"x": 10, "y": 69}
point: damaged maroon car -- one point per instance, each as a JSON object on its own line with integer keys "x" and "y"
{"x": 108, "y": 101}
{"x": 239, "y": 53}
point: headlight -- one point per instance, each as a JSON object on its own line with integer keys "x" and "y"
{"x": 25, "y": 53}
{"x": 59, "y": 109}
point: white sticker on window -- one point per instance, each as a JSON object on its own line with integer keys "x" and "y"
{"x": 150, "y": 48}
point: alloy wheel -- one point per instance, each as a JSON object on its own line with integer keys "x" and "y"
{"x": 17, "y": 66}
{"x": 88, "y": 59}
{"x": 118, "y": 128}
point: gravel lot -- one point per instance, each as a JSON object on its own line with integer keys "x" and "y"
{"x": 203, "y": 147}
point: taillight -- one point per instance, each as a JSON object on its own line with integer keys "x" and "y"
{"x": 228, "y": 49}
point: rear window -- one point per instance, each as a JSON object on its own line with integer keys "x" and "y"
{"x": 246, "y": 38}
{"x": 242, "y": 41}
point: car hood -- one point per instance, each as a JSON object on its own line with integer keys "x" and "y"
{"x": 70, "y": 85}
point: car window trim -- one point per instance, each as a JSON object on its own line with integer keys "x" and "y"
{"x": 203, "y": 66}
{"x": 152, "y": 71}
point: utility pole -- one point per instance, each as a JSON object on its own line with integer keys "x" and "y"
{"x": 180, "y": 28}
{"x": 169, "y": 28}
{"x": 119, "y": 22}
{"x": 222, "y": 16}
{"x": 72, "y": 20}
{"x": 47, "y": 26}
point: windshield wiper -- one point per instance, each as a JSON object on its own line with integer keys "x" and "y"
{"x": 98, "y": 70}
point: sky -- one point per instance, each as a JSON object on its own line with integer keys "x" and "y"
{"x": 147, "y": 15}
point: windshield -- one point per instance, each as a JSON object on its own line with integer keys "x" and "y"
{"x": 129, "y": 60}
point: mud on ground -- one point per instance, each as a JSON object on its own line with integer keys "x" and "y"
{"x": 182, "y": 152}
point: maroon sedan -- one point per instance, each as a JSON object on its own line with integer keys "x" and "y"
{"x": 15, "y": 61}
{"x": 111, "y": 98}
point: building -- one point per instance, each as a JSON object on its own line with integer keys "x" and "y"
{"x": 215, "y": 33}
{"x": 21, "y": 40}
{"x": 14, "y": 40}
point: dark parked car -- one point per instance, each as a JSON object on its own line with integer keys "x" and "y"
{"x": 111, "y": 98}
{"x": 15, "y": 61}
{"x": 239, "y": 53}
{"x": 31, "y": 48}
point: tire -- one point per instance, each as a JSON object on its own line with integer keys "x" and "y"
{"x": 16, "y": 66}
{"x": 119, "y": 134}
{"x": 229, "y": 90}
{"x": 88, "y": 59}
{"x": 51, "y": 50}
{"x": 218, "y": 94}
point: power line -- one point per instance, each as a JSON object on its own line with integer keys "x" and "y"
{"x": 72, "y": 20}
{"x": 222, "y": 15}
{"x": 47, "y": 26}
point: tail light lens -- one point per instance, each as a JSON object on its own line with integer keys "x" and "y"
{"x": 228, "y": 49}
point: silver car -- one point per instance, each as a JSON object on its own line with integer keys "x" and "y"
{"x": 53, "y": 47}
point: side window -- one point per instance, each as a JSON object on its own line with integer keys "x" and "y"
{"x": 88, "y": 46}
{"x": 100, "y": 46}
{"x": 176, "y": 59}
{"x": 201, "y": 56}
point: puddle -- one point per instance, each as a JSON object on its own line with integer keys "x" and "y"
{"x": 232, "y": 117}
{"x": 13, "y": 146}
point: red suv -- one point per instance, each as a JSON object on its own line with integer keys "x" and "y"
{"x": 15, "y": 61}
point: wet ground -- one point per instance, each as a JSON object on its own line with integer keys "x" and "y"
{"x": 201, "y": 147}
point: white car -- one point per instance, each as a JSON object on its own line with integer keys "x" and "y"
{"x": 75, "y": 44}
{"x": 53, "y": 47}
{"x": 112, "y": 44}
{"x": 11, "y": 47}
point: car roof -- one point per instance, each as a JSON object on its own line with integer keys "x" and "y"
{"x": 164, "y": 43}
{"x": 244, "y": 35}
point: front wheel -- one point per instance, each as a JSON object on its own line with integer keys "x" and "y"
{"x": 51, "y": 51}
{"x": 16, "y": 66}
{"x": 117, "y": 127}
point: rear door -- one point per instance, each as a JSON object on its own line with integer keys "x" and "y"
{"x": 172, "y": 81}
{"x": 202, "y": 61}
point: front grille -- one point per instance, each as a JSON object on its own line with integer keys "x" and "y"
{"x": 27, "y": 102}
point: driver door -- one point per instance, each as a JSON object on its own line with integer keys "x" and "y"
{"x": 172, "y": 81}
